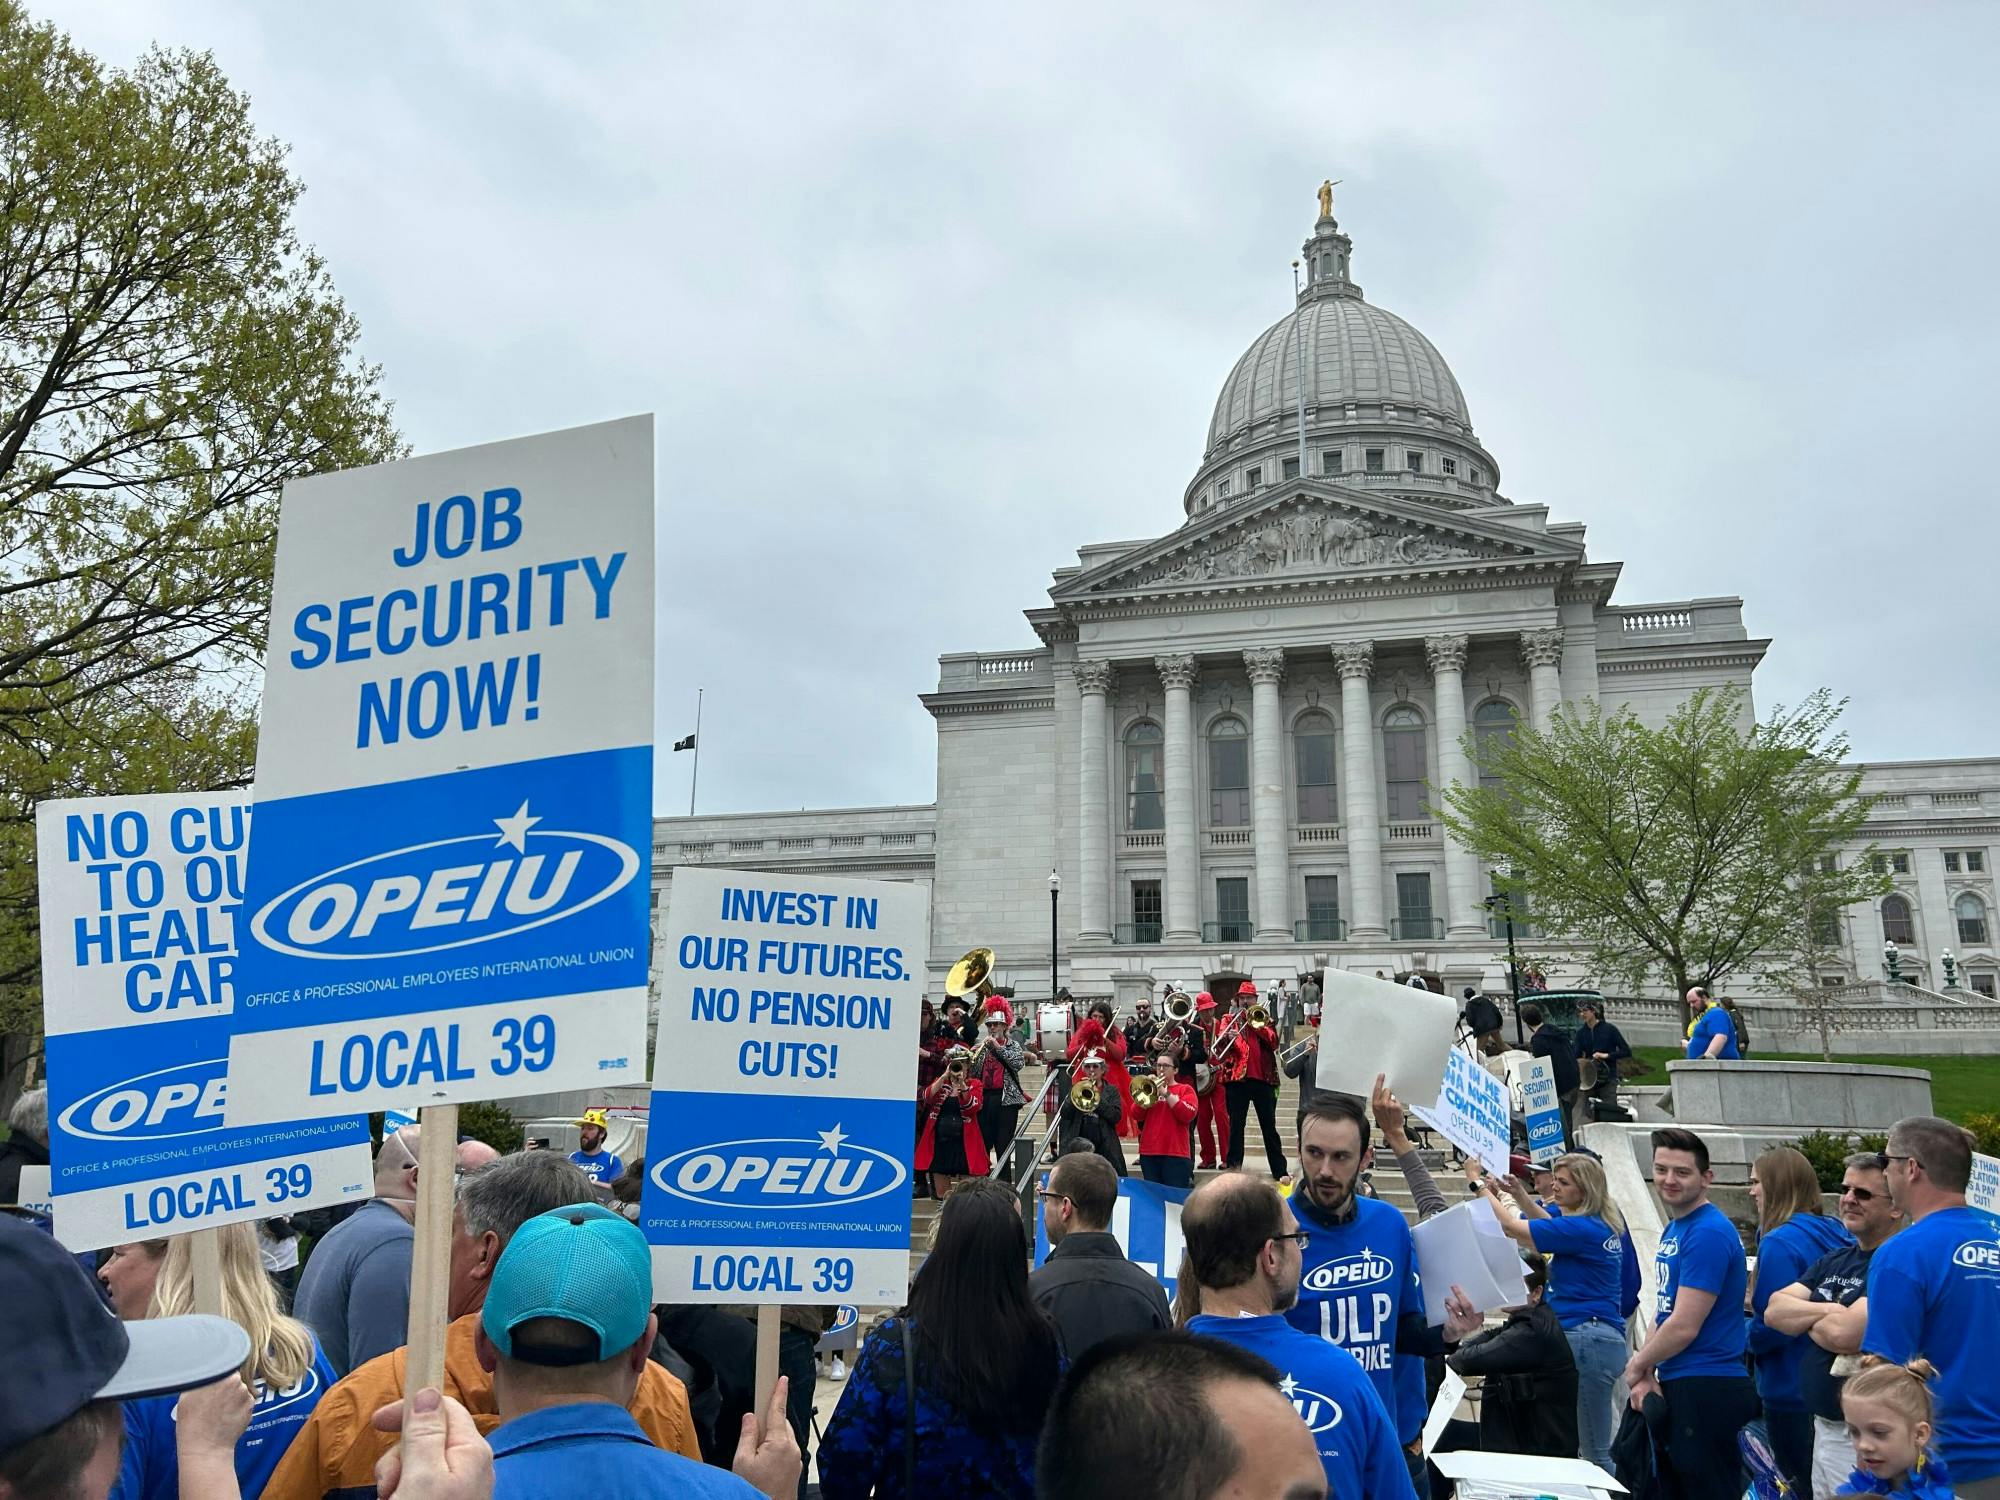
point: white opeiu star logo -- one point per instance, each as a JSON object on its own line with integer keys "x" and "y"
{"x": 1287, "y": 1386}
{"x": 830, "y": 1140}
{"x": 514, "y": 830}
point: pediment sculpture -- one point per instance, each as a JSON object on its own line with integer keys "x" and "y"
{"x": 1315, "y": 539}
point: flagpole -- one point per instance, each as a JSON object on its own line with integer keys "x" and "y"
{"x": 695, "y": 779}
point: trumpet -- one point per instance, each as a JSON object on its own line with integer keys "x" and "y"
{"x": 1145, "y": 1091}
{"x": 1084, "y": 1095}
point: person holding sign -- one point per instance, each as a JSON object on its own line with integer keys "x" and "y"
{"x": 1584, "y": 1235}
{"x": 1546, "y": 1042}
{"x": 950, "y": 1147}
{"x": 599, "y": 1165}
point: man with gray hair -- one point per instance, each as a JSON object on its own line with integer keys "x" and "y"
{"x": 1934, "y": 1291}
{"x": 336, "y": 1451}
{"x": 27, "y": 1143}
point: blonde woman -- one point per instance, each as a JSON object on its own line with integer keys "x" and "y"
{"x": 1583, "y": 1234}
{"x": 1793, "y": 1231}
{"x": 286, "y": 1373}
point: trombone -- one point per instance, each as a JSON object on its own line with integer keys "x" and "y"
{"x": 1145, "y": 1092}
{"x": 1084, "y": 1096}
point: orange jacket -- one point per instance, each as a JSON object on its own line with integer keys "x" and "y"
{"x": 333, "y": 1457}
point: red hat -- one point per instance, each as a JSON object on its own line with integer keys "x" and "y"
{"x": 996, "y": 1005}
{"x": 1204, "y": 1001}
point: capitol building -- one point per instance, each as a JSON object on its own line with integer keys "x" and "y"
{"x": 1226, "y": 741}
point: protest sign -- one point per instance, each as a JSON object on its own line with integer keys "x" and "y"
{"x": 1451, "y": 1391}
{"x": 784, "y": 1089}
{"x": 1542, "y": 1109}
{"x": 448, "y": 896}
{"x": 1465, "y": 1247}
{"x": 139, "y": 901}
{"x": 1408, "y": 1031}
{"x": 1983, "y": 1191}
{"x": 1146, "y": 1220}
{"x": 1471, "y": 1112}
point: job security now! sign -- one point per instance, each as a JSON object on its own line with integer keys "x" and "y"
{"x": 784, "y": 1089}
{"x": 448, "y": 895}
{"x": 140, "y": 899}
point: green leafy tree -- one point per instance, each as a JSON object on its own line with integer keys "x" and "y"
{"x": 1683, "y": 854}
{"x": 170, "y": 356}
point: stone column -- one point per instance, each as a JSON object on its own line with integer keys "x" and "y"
{"x": 1093, "y": 804}
{"x": 1267, "y": 794}
{"x": 1446, "y": 655}
{"x": 1177, "y": 674}
{"x": 1542, "y": 650}
{"x": 1360, "y": 792}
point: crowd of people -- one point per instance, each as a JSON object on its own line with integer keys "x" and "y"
{"x": 1295, "y": 1358}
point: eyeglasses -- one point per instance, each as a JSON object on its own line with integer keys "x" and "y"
{"x": 1889, "y": 1156}
{"x": 1860, "y": 1195}
{"x": 1299, "y": 1237}
{"x": 1045, "y": 1193}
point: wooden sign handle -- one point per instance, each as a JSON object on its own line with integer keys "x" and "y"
{"x": 205, "y": 1261}
{"x": 767, "y": 1367}
{"x": 430, "y": 1258}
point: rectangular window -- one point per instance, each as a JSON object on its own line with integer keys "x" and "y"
{"x": 1322, "y": 908}
{"x": 1982, "y": 984}
{"x": 1416, "y": 461}
{"x": 1290, "y": 468}
{"x": 1975, "y": 861}
{"x": 1826, "y": 928}
{"x": 1254, "y": 478}
{"x": 1951, "y": 861}
{"x": 1829, "y": 863}
{"x": 1900, "y": 863}
{"x": 1971, "y": 929}
{"x": 1449, "y": 465}
{"x": 1413, "y": 906}
{"x": 1332, "y": 462}
{"x": 1222, "y": 489}
{"x": 1145, "y": 911}
{"x": 1316, "y": 798}
{"x": 1374, "y": 458}
{"x": 1405, "y": 754}
{"x": 1475, "y": 474}
{"x": 1878, "y": 864}
{"x": 1232, "y": 909}
{"x": 1229, "y": 782}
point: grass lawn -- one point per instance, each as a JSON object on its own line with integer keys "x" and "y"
{"x": 1959, "y": 1085}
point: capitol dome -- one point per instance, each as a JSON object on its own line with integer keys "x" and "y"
{"x": 1382, "y": 409}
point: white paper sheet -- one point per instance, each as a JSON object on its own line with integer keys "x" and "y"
{"x": 1451, "y": 1391}
{"x": 1371, "y": 1026}
{"x": 1533, "y": 1472}
{"x": 1465, "y": 1247}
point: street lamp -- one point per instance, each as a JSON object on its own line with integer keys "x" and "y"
{"x": 1502, "y": 901}
{"x": 1950, "y": 965}
{"x": 1890, "y": 953}
{"x": 1055, "y": 900}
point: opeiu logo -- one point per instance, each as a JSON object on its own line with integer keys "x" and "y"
{"x": 447, "y": 893}
{"x": 178, "y": 1101}
{"x": 1320, "y": 1413}
{"x": 1350, "y": 1272}
{"x": 266, "y": 1403}
{"x": 1978, "y": 1255}
{"x": 817, "y": 1171}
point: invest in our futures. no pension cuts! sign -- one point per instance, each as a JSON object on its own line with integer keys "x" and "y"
{"x": 448, "y": 892}
{"x": 784, "y": 1094}
{"x": 140, "y": 899}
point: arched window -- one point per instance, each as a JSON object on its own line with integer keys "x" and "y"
{"x": 1492, "y": 731}
{"x": 1971, "y": 919}
{"x": 1228, "y": 774}
{"x": 1313, "y": 738}
{"x": 1897, "y": 927}
{"x": 1144, "y": 807}
{"x": 1406, "y": 763}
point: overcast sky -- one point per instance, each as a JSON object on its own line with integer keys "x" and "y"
{"x": 927, "y": 296}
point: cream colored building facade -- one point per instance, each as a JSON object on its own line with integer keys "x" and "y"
{"x": 1225, "y": 741}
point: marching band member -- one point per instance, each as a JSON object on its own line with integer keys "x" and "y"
{"x": 1252, "y": 1079}
{"x": 958, "y": 1021}
{"x": 999, "y": 1073}
{"x": 1099, "y": 1033}
{"x": 1212, "y": 1123}
{"x": 1141, "y": 1029}
{"x": 951, "y": 1147}
{"x": 1164, "y": 1155}
{"x": 1100, "y": 1126}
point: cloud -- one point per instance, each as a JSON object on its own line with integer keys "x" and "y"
{"x": 926, "y": 299}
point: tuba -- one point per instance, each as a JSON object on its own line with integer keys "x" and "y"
{"x": 1179, "y": 1007}
{"x": 971, "y": 978}
{"x": 1145, "y": 1091}
{"x": 1084, "y": 1095}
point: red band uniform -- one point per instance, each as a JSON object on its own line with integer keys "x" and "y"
{"x": 1252, "y": 1081}
{"x": 1097, "y": 1034}
{"x": 1212, "y": 1123}
{"x": 1164, "y": 1130}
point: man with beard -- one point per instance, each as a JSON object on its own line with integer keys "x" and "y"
{"x": 1360, "y": 1288}
{"x": 1140, "y": 1031}
{"x": 1245, "y": 1254}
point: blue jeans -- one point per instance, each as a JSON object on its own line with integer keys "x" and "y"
{"x": 1600, "y": 1353}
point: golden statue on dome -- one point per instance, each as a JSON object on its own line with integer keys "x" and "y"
{"x": 1326, "y": 197}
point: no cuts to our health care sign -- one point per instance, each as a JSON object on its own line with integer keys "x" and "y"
{"x": 784, "y": 1089}
{"x": 140, "y": 898}
{"x": 448, "y": 893}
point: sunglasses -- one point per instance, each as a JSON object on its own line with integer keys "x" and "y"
{"x": 1860, "y": 1195}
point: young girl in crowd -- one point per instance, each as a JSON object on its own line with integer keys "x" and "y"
{"x": 1888, "y": 1411}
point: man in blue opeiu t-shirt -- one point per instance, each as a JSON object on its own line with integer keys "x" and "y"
{"x": 1244, "y": 1253}
{"x": 1694, "y": 1355}
{"x": 599, "y": 1165}
{"x": 1714, "y": 1034}
{"x": 1359, "y": 1288}
{"x": 1934, "y": 1291}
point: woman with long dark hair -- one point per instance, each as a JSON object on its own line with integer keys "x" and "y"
{"x": 986, "y": 1362}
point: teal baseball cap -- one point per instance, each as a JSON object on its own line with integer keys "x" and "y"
{"x": 583, "y": 1264}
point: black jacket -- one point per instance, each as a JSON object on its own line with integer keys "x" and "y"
{"x": 1091, "y": 1292}
{"x": 1529, "y": 1401}
{"x": 1605, "y": 1038}
{"x": 16, "y": 1152}
{"x": 1552, "y": 1044}
{"x": 1100, "y": 1129}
